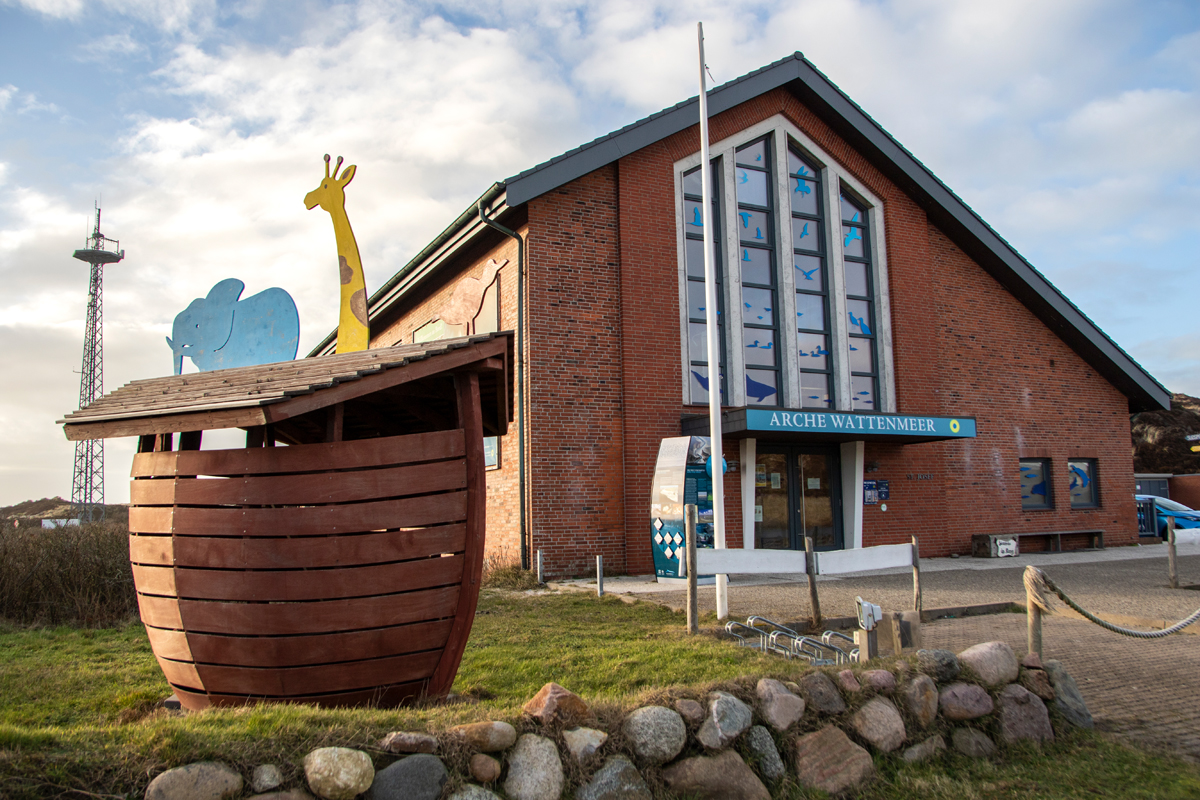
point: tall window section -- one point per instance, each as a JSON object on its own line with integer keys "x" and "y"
{"x": 860, "y": 307}
{"x": 812, "y": 290}
{"x": 756, "y": 225}
{"x": 693, "y": 226}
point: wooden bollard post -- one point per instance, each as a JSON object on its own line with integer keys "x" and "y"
{"x": 810, "y": 566}
{"x": 690, "y": 516}
{"x": 600, "y": 576}
{"x": 916, "y": 564}
{"x": 1033, "y": 624}
{"x": 1172, "y": 569}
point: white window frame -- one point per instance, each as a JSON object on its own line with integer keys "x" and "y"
{"x": 834, "y": 179}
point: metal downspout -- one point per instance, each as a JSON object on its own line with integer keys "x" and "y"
{"x": 520, "y": 369}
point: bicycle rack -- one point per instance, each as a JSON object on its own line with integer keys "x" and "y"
{"x": 773, "y": 637}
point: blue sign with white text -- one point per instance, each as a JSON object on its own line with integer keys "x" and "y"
{"x": 864, "y": 424}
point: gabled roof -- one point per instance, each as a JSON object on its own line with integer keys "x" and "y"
{"x": 944, "y": 208}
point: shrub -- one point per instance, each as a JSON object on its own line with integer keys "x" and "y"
{"x": 74, "y": 575}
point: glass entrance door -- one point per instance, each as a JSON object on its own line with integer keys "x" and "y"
{"x": 797, "y": 493}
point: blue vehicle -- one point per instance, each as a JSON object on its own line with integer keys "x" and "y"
{"x": 1184, "y": 517}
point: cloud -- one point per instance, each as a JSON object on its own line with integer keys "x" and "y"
{"x": 113, "y": 46}
{"x": 167, "y": 15}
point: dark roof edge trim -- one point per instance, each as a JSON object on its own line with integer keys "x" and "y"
{"x": 966, "y": 217}
{"x": 1142, "y": 388}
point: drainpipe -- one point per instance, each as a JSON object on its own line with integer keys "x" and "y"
{"x": 520, "y": 369}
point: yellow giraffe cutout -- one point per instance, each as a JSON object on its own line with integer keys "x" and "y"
{"x": 353, "y": 329}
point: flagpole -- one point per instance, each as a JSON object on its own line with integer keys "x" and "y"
{"x": 717, "y": 459}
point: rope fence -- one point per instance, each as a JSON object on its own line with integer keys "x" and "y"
{"x": 1039, "y": 588}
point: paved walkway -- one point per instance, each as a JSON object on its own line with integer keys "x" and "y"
{"x": 1117, "y": 581}
{"x": 1147, "y": 691}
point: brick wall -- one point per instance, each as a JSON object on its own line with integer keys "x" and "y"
{"x": 974, "y": 351}
{"x": 575, "y": 396}
{"x": 1185, "y": 489}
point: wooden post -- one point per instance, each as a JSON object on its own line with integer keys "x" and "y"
{"x": 810, "y": 566}
{"x": 1172, "y": 570}
{"x": 256, "y": 435}
{"x": 336, "y": 414}
{"x": 690, "y": 514}
{"x": 1033, "y": 625}
{"x": 868, "y": 643}
{"x": 541, "y": 576}
{"x": 599, "y": 576}
{"x": 916, "y": 559}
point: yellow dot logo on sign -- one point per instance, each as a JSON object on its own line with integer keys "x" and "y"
{"x": 954, "y": 426}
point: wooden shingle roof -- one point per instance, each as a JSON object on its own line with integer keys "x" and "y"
{"x": 270, "y": 393}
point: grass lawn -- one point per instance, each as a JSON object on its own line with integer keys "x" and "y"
{"x": 79, "y": 716}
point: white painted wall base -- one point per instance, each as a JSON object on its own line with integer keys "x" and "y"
{"x": 852, "y": 494}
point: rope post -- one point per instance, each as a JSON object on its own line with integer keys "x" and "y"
{"x": 1033, "y": 624}
{"x": 599, "y": 576}
{"x": 1172, "y": 569}
{"x": 541, "y": 575}
{"x": 690, "y": 515}
{"x": 916, "y": 559}
{"x": 810, "y": 566}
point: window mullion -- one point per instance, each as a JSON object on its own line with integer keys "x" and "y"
{"x": 735, "y": 377}
{"x": 789, "y": 338}
{"x": 883, "y": 314}
{"x": 839, "y": 328}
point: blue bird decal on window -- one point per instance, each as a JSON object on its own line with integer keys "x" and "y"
{"x": 853, "y": 235}
{"x": 1079, "y": 478}
{"x": 703, "y": 380}
{"x": 758, "y": 233}
{"x": 804, "y": 231}
{"x": 743, "y": 177}
{"x": 808, "y": 274}
{"x": 860, "y": 323}
{"x": 745, "y": 254}
{"x": 758, "y": 391}
{"x": 802, "y": 187}
{"x": 697, "y": 219}
{"x": 745, "y": 215}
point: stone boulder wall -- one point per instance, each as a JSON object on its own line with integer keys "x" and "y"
{"x": 735, "y": 738}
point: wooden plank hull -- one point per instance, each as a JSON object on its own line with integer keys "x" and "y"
{"x": 342, "y": 573}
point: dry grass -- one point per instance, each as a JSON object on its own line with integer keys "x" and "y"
{"x": 75, "y": 575}
{"x": 502, "y": 570}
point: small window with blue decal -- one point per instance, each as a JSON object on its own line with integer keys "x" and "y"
{"x": 1035, "y": 484}
{"x": 1081, "y": 473}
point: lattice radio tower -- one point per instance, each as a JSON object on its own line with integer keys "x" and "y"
{"x": 87, "y": 483}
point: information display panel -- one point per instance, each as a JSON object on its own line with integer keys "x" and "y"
{"x": 680, "y": 478}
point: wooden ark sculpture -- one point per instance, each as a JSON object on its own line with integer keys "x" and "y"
{"x": 336, "y": 558}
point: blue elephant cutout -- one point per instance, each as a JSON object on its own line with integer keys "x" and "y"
{"x": 220, "y": 331}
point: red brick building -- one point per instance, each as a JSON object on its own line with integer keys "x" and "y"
{"x": 856, "y": 291}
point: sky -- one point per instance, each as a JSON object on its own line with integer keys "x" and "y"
{"x": 1073, "y": 128}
